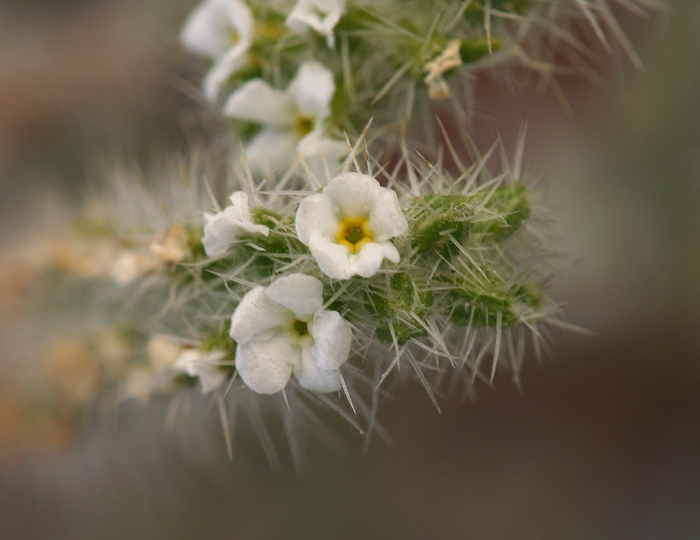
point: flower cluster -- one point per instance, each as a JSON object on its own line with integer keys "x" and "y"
{"x": 319, "y": 278}
{"x": 291, "y": 89}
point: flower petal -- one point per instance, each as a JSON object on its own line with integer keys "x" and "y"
{"x": 204, "y": 31}
{"x": 316, "y": 213}
{"x": 256, "y": 316}
{"x": 209, "y": 28}
{"x": 386, "y": 219}
{"x": 312, "y": 90}
{"x": 332, "y": 258}
{"x": 265, "y": 366}
{"x": 332, "y": 339}
{"x": 204, "y": 366}
{"x": 314, "y": 378}
{"x": 223, "y": 228}
{"x": 322, "y": 154}
{"x": 271, "y": 149}
{"x": 256, "y": 101}
{"x": 368, "y": 260}
{"x": 218, "y": 235}
{"x": 390, "y": 252}
{"x": 238, "y": 214}
{"x": 240, "y": 17}
{"x": 353, "y": 192}
{"x": 307, "y": 13}
{"x": 232, "y": 61}
{"x": 299, "y": 293}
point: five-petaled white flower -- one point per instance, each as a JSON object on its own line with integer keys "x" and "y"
{"x": 222, "y": 229}
{"x": 320, "y": 15}
{"x": 283, "y": 330}
{"x": 292, "y": 119}
{"x": 223, "y": 31}
{"x": 348, "y": 226}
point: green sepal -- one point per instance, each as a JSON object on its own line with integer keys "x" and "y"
{"x": 511, "y": 203}
{"x": 475, "y": 11}
{"x": 392, "y": 307}
{"x": 442, "y": 217}
{"x": 480, "y": 302}
{"x": 263, "y": 216}
{"x": 473, "y": 50}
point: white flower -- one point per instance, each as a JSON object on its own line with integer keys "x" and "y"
{"x": 222, "y": 229}
{"x": 292, "y": 119}
{"x": 204, "y": 365}
{"x": 283, "y": 330}
{"x": 223, "y": 31}
{"x": 348, "y": 226}
{"x": 320, "y": 15}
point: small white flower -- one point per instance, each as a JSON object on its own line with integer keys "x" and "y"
{"x": 292, "y": 119}
{"x": 223, "y": 31}
{"x": 204, "y": 365}
{"x": 283, "y": 330}
{"x": 223, "y": 228}
{"x": 320, "y": 15}
{"x": 348, "y": 226}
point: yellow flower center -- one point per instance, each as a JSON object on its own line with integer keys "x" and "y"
{"x": 268, "y": 30}
{"x": 353, "y": 233}
{"x": 233, "y": 36}
{"x": 303, "y": 125}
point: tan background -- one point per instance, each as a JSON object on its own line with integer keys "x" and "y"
{"x": 605, "y": 442}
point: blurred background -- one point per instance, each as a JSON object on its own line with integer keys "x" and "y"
{"x": 605, "y": 441}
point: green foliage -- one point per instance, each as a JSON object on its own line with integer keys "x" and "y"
{"x": 441, "y": 219}
{"x": 396, "y": 306}
{"x": 510, "y": 205}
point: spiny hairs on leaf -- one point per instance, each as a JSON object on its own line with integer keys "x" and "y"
{"x": 465, "y": 298}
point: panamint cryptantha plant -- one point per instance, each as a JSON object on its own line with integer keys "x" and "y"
{"x": 320, "y": 258}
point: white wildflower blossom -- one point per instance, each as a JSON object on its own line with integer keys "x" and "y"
{"x": 292, "y": 119}
{"x": 222, "y": 229}
{"x": 204, "y": 365}
{"x": 223, "y": 31}
{"x": 348, "y": 226}
{"x": 283, "y": 330}
{"x": 319, "y": 15}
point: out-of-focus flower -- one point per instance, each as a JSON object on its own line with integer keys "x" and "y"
{"x": 319, "y": 15}
{"x": 173, "y": 246}
{"x": 292, "y": 119}
{"x": 283, "y": 330}
{"x": 223, "y": 31}
{"x": 131, "y": 265}
{"x": 204, "y": 365}
{"x": 223, "y": 228}
{"x": 348, "y": 226}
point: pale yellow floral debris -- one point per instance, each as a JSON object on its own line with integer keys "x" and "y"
{"x": 448, "y": 59}
{"x": 172, "y": 247}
